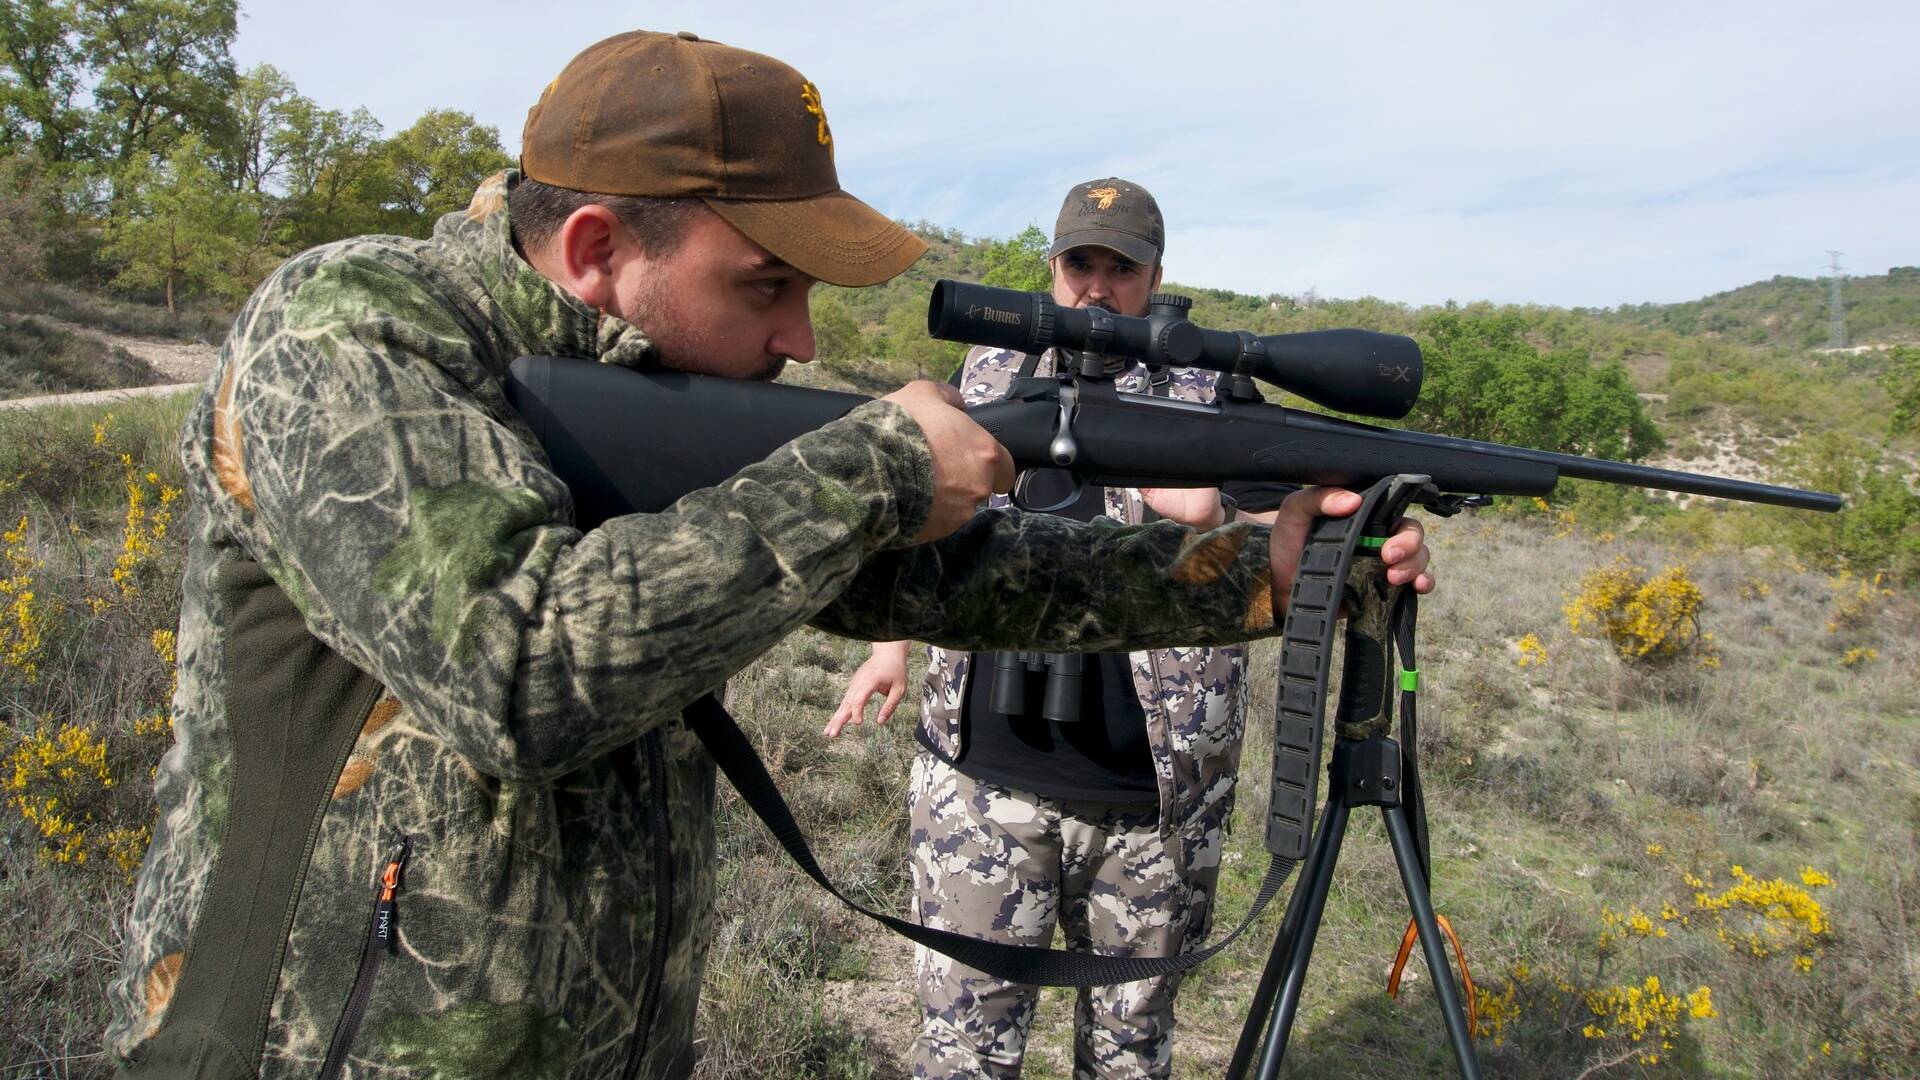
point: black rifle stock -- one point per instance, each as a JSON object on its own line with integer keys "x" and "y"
{"x": 628, "y": 441}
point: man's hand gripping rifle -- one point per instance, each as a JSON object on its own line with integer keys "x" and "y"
{"x": 628, "y": 441}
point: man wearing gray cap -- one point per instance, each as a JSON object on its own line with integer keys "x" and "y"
{"x": 1106, "y": 816}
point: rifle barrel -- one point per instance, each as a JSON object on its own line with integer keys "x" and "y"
{"x": 1584, "y": 468}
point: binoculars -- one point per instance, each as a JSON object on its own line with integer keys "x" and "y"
{"x": 1015, "y": 672}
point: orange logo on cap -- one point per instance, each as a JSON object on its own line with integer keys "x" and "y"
{"x": 1106, "y": 195}
{"x": 810, "y": 95}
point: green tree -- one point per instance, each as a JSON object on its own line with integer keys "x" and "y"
{"x": 1464, "y": 353}
{"x": 263, "y": 104}
{"x": 164, "y": 72}
{"x": 1486, "y": 380}
{"x": 41, "y": 73}
{"x": 1019, "y": 262}
{"x": 431, "y": 169}
{"x": 906, "y": 348}
{"x": 328, "y": 159}
{"x": 23, "y": 215}
{"x": 1902, "y": 383}
{"x": 178, "y": 228}
{"x": 1604, "y": 417}
{"x": 836, "y": 334}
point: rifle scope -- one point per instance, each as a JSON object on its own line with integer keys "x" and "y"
{"x": 1353, "y": 371}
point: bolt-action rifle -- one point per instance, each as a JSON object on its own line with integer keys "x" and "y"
{"x": 628, "y": 441}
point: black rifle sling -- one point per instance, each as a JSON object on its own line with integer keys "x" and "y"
{"x": 1311, "y": 620}
{"x": 1412, "y": 797}
{"x": 1026, "y": 964}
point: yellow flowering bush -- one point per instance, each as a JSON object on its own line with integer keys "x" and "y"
{"x": 1647, "y": 619}
{"x": 1638, "y": 1020}
{"x": 1533, "y": 652}
{"x": 75, "y": 764}
{"x": 66, "y": 782}
{"x": 1641, "y": 1019}
{"x": 160, "y": 721}
{"x": 1646, "y": 1015}
{"x": 53, "y": 780}
{"x": 1857, "y": 601}
{"x": 1617, "y": 927}
{"x": 1563, "y": 522}
{"x": 1500, "y": 1011}
{"x": 1760, "y": 918}
{"x": 149, "y": 513}
{"x": 21, "y": 632}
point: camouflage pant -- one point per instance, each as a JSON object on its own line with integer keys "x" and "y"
{"x": 1007, "y": 866}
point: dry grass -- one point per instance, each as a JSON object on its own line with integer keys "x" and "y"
{"x": 94, "y": 670}
{"x": 200, "y": 321}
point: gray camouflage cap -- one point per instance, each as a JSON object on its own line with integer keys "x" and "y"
{"x": 1114, "y": 214}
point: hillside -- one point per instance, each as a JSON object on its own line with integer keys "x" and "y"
{"x": 1791, "y": 312}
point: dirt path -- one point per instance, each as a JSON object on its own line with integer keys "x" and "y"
{"x": 184, "y": 364}
{"x": 179, "y": 361}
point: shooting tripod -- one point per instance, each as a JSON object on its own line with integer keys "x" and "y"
{"x": 1340, "y": 563}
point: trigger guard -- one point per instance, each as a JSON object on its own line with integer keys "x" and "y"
{"x": 1019, "y": 494}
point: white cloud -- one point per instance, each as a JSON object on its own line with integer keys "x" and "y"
{"x": 1571, "y": 153}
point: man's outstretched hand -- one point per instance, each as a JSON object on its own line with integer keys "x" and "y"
{"x": 1405, "y": 553}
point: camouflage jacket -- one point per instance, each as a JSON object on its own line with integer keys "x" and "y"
{"x": 1194, "y": 698}
{"x": 390, "y": 629}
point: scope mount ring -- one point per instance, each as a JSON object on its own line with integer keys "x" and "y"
{"x": 1253, "y": 356}
{"x": 1100, "y": 331}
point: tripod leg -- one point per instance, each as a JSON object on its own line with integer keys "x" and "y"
{"x": 1300, "y": 941}
{"x": 1435, "y": 948}
{"x": 1260, "y": 1009}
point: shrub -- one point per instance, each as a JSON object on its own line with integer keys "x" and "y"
{"x": 1647, "y": 620}
{"x": 1880, "y": 528}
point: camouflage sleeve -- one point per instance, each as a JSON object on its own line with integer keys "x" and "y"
{"x": 388, "y": 490}
{"x": 1010, "y": 579}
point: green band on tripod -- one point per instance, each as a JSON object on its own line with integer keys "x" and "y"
{"x": 1410, "y": 680}
{"x": 1371, "y": 542}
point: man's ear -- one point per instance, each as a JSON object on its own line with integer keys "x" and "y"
{"x": 1155, "y": 287}
{"x": 584, "y": 251}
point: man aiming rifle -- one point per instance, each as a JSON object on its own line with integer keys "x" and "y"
{"x": 431, "y": 808}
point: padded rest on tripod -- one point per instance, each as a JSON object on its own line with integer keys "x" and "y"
{"x": 1306, "y": 657}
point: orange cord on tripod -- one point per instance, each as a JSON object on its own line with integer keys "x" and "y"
{"x": 1406, "y": 950}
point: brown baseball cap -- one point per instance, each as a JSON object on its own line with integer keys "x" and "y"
{"x": 1114, "y": 214}
{"x": 671, "y": 115}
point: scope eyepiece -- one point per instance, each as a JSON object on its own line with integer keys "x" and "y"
{"x": 997, "y": 318}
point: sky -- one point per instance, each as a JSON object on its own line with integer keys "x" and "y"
{"x": 1560, "y": 153}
